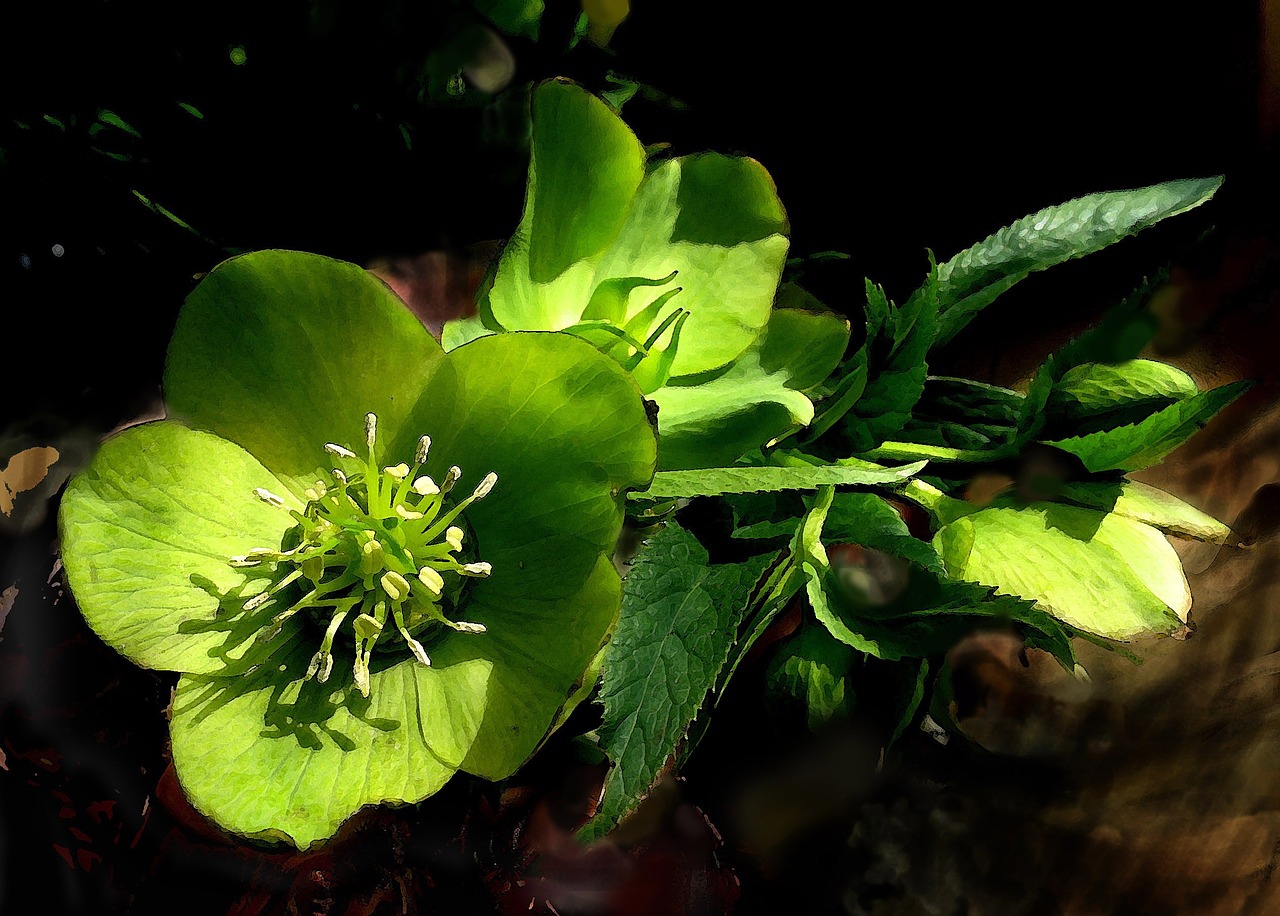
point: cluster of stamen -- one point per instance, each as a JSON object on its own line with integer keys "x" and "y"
{"x": 376, "y": 544}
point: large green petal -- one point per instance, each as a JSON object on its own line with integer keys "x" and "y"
{"x": 147, "y": 530}
{"x": 584, "y": 170}
{"x": 539, "y": 648}
{"x": 566, "y": 431}
{"x": 711, "y": 422}
{"x": 281, "y": 352}
{"x": 717, "y": 222}
{"x": 277, "y": 757}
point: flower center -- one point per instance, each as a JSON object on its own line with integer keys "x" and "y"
{"x": 377, "y": 544}
{"x": 645, "y": 346}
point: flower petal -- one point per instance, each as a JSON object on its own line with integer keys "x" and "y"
{"x": 282, "y": 352}
{"x": 278, "y": 757}
{"x": 717, "y": 222}
{"x": 566, "y": 430}
{"x": 584, "y": 170}
{"x": 147, "y": 532}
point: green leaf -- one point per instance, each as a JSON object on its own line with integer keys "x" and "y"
{"x": 1099, "y": 387}
{"x": 709, "y": 421}
{"x": 971, "y": 280}
{"x": 147, "y": 531}
{"x": 1103, "y": 574}
{"x": 1120, "y": 336}
{"x": 281, "y": 352}
{"x": 718, "y": 481}
{"x": 866, "y": 519}
{"x": 811, "y": 668}
{"x": 896, "y": 384}
{"x": 679, "y": 617}
{"x": 1144, "y": 503}
{"x": 911, "y": 686}
{"x": 1139, "y": 445}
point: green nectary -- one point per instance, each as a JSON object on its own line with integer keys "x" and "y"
{"x": 379, "y": 545}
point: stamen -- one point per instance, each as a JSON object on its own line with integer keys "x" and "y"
{"x": 268, "y": 497}
{"x": 339, "y": 451}
{"x": 480, "y": 570}
{"x": 463, "y": 626}
{"x": 395, "y": 585}
{"x": 486, "y": 486}
{"x": 420, "y": 453}
{"x": 453, "y": 537}
{"x": 370, "y": 429}
{"x": 450, "y": 479}
{"x": 407, "y": 514}
{"x": 399, "y": 471}
{"x": 432, "y": 579}
{"x": 415, "y": 647}
{"x": 425, "y": 486}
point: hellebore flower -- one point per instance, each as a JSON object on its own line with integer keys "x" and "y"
{"x": 671, "y": 265}
{"x": 372, "y": 563}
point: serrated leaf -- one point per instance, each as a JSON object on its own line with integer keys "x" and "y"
{"x": 976, "y": 276}
{"x": 1097, "y": 387}
{"x": 678, "y": 621}
{"x": 1120, "y": 336}
{"x": 896, "y": 384}
{"x": 1145, "y": 503}
{"x": 719, "y": 481}
{"x": 1138, "y": 445}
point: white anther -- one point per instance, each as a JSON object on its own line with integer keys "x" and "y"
{"x": 485, "y": 486}
{"x": 338, "y": 451}
{"x": 326, "y": 668}
{"x": 268, "y": 497}
{"x": 339, "y": 476}
{"x": 453, "y": 537}
{"x": 425, "y": 486}
{"x": 399, "y": 472}
{"x": 314, "y": 667}
{"x": 407, "y": 514}
{"x": 257, "y": 601}
{"x": 480, "y": 569}
{"x": 395, "y": 585}
{"x": 370, "y": 429}
{"x": 463, "y": 626}
{"x": 450, "y": 479}
{"x": 432, "y": 579}
{"x": 420, "y": 453}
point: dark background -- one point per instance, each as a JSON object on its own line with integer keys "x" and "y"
{"x": 889, "y": 131}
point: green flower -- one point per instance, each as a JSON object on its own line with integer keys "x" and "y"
{"x": 670, "y": 265}
{"x": 373, "y": 564}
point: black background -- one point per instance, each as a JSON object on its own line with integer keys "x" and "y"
{"x": 889, "y": 130}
